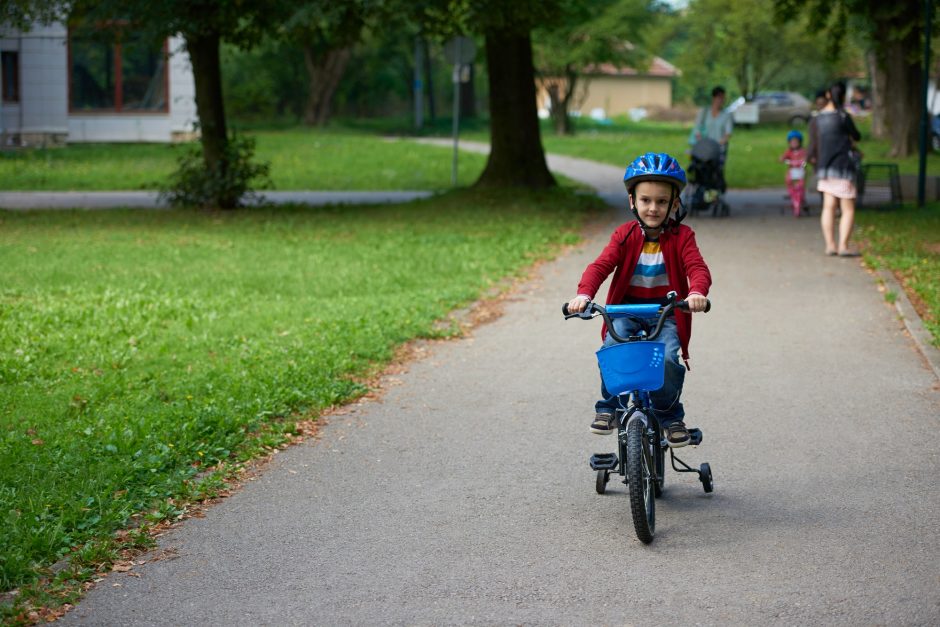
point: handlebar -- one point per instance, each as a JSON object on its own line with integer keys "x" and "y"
{"x": 637, "y": 312}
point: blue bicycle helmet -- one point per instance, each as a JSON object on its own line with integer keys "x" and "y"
{"x": 654, "y": 166}
{"x": 794, "y": 135}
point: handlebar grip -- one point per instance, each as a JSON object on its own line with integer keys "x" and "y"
{"x": 684, "y": 305}
{"x": 564, "y": 309}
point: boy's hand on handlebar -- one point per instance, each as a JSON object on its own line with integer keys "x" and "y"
{"x": 697, "y": 302}
{"x": 578, "y": 304}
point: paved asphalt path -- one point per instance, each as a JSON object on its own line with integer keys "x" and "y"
{"x": 464, "y": 496}
{"x": 151, "y": 200}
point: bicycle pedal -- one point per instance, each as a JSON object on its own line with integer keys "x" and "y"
{"x": 604, "y": 461}
{"x": 695, "y": 437}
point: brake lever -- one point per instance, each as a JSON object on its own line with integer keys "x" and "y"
{"x": 584, "y": 315}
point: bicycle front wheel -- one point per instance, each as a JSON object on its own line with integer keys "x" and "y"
{"x": 639, "y": 464}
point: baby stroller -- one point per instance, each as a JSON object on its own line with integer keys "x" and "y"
{"x": 706, "y": 179}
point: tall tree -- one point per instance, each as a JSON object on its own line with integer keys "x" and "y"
{"x": 895, "y": 32}
{"x": 326, "y": 30}
{"x": 590, "y": 33}
{"x": 517, "y": 158}
{"x": 204, "y": 24}
{"x": 741, "y": 39}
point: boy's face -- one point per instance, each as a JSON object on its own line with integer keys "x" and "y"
{"x": 794, "y": 143}
{"x": 654, "y": 202}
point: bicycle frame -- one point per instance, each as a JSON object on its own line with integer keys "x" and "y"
{"x": 640, "y": 457}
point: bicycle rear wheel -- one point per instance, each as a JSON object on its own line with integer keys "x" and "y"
{"x": 640, "y": 480}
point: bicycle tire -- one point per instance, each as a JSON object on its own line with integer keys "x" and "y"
{"x": 640, "y": 481}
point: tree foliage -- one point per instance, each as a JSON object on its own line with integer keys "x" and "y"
{"x": 589, "y": 33}
{"x": 894, "y": 32}
{"x": 23, "y": 14}
{"x": 326, "y": 30}
{"x": 742, "y": 40}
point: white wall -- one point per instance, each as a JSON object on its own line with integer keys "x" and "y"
{"x": 182, "y": 89}
{"x": 43, "y": 106}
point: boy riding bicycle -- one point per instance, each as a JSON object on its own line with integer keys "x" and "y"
{"x": 651, "y": 257}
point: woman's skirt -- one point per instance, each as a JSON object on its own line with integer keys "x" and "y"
{"x": 840, "y": 188}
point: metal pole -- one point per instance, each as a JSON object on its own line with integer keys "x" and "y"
{"x": 453, "y": 172}
{"x": 925, "y": 112}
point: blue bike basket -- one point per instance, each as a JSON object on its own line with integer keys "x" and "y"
{"x": 632, "y": 366}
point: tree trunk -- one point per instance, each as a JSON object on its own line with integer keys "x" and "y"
{"x": 324, "y": 72}
{"x": 429, "y": 82}
{"x": 516, "y": 158}
{"x": 877, "y": 96}
{"x": 741, "y": 78}
{"x": 561, "y": 120}
{"x": 468, "y": 95}
{"x": 903, "y": 81}
{"x": 210, "y": 108}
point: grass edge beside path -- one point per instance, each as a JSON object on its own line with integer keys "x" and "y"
{"x": 533, "y": 227}
{"x": 907, "y": 243}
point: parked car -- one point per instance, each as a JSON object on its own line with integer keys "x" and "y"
{"x": 775, "y": 106}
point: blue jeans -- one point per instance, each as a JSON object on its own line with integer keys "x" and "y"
{"x": 666, "y": 399}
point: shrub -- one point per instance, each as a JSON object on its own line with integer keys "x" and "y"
{"x": 232, "y": 184}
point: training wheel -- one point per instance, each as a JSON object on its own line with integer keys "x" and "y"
{"x": 603, "y": 476}
{"x": 705, "y": 476}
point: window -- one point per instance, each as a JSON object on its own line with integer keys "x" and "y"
{"x": 11, "y": 76}
{"x": 112, "y": 71}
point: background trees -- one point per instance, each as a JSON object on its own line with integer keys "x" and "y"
{"x": 204, "y": 25}
{"x": 361, "y": 55}
{"x": 741, "y": 40}
{"x": 893, "y": 31}
{"x": 587, "y": 34}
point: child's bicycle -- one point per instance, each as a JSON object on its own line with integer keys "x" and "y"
{"x": 631, "y": 369}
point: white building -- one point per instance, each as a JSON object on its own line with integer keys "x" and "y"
{"x": 60, "y": 87}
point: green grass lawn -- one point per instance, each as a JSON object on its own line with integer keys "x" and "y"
{"x": 300, "y": 159}
{"x": 752, "y": 157}
{"x": 907, "y": 242}
{"x": 139, "y": 348}
{"x": 360, "y": 158}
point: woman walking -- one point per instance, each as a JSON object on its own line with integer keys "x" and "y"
{"x": 836, "y": 168}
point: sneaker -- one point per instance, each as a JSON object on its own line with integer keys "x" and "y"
{"x": 603, "y": 424}
{"x": 677, "y": 435}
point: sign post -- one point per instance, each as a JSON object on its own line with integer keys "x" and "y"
{"x": 459, "y": 51}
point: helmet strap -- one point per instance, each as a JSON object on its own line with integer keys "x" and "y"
{"x": 681, "y": 213}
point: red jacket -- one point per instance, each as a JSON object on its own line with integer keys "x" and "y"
{"x": 684, "y": 264}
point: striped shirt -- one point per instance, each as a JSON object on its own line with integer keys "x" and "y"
{"x": 649, "y": 283}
